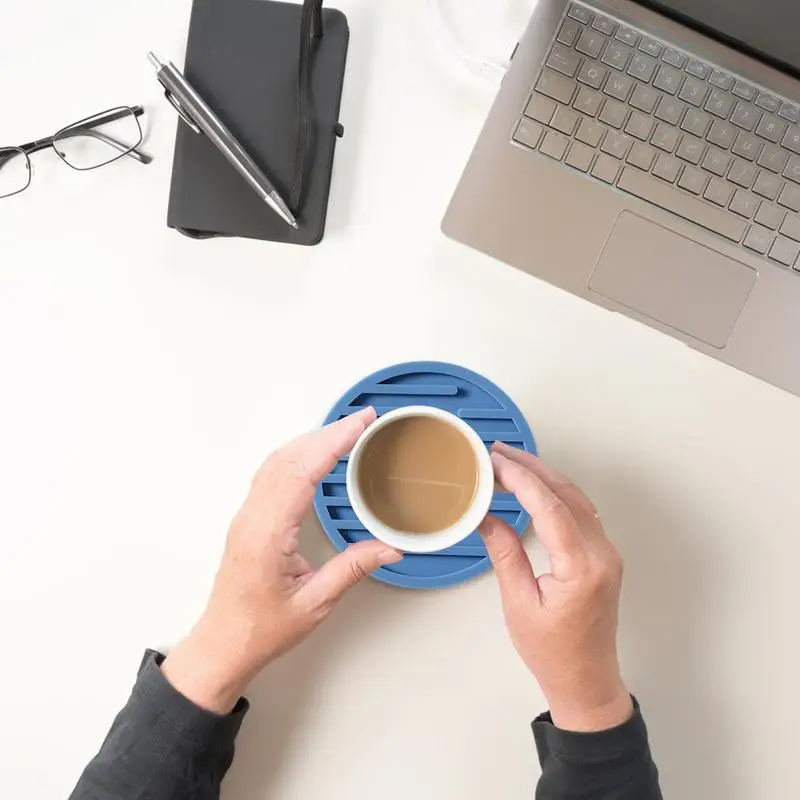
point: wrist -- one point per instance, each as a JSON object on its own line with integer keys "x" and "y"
{"x": 613, "y": 709}
{"x": 205, "y": 672}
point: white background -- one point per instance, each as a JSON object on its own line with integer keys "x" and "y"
{"x": 143, "y": 377}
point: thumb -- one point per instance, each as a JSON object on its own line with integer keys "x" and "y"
{"x": 343, "y": 572}
{"x": 511, "y": 563}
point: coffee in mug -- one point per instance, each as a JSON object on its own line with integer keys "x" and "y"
{"x": 418, "y": 475}
{"x": 420, "y": 479}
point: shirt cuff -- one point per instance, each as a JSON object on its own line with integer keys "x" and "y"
{"x": 626, "y": 741}
{"x": 196, "y": 723}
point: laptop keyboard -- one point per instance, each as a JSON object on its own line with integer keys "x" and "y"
{"x": 664, "y": 126}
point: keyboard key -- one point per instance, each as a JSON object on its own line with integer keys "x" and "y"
{"x": 642, "y": 156}
{"x": 696, "y": 122}
{"x": 768, "y": 102}
{"x": 606, "y": 168}
{"x": 569, "y": 32}
{"x": 694, "y": 180}
{"x": 588, "y": 101}
{"x": 617, "y": 55}
{"x": 716, "y": 161}
{"x": 742, "y": 173}
{"x": 541, "y": 108}
{"x": 644, "y": 98}
{"x": 744, "y": 204}
{"x": 770, "y": 216}
{"x": 721, "y": 80}
{"x": 667, "y": 168}
{"x": 668, "y": 79}
{"x": 767, "y": 184}
{"x": 651, "y": 47}
{"x": 680, "y": 203}
{"x": 591, "y": 43}
{"x": 698, "y": 69}
{"x": 772, "y": 128}
{"x": 758, "y": 239}
{"x": 745, "y": 91}
{"x": 580, "y": 13}
{"x": 642, "y": 67}
{"x": 719, "y": 104}
{"x": 528, "y": 133}
{"x": 614, "y": 113}
{"x": 604, "y": 25}
{"x": 616, "y": 144}
{"x": 792, "y": 139}
{"x": 670, "y": 110}
{"x": 592, "y": 74}
{"x": 674, "y": 58}
{"x": 554, "y": 145}
{"x": 773, "y": 158}
{"x": 747, "y": 146}
{"x": 791, "y": 227}
{"x": 790, "y": 196}
{"x": 580, "y": 157}
{"x": 590, "y": 132}
{"x": 694, "y": 91}
{"x": 722, "y": 134}
{"x": 719, "y": 192}
{"x": 627, "y": 36}
{"x": 691, "y": 149}
{"x": 745, "y": 116}
{"x": 618, "y": 86}
{"x": 564, "y": 120}
{"x": 557, "y": 86}
{"x": 790, "y": 112}
{"x": 784, "y": 251}
{"x": 665, "y": 138}
{"x": 564, "y": 60}
{"x": 640, "y": 125}
{"x": 792, "y": 171}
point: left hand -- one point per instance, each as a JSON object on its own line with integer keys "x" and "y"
{"x": 266, "y": 597}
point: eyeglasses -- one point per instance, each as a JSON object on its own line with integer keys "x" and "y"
{"x": 91, "y": 143}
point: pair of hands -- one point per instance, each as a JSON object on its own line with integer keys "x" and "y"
{"x": 266, "y": 598}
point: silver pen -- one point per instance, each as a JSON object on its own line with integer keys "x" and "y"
{"x": 196, "y": 113}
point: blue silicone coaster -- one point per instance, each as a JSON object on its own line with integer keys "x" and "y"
{"x": 492, "y": 414}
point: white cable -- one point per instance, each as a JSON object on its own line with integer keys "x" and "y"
{"x": 491, "y": 69}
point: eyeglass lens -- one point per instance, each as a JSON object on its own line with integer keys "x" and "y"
{"x": 87, "y": 144}
{"x": 15, "y": 171}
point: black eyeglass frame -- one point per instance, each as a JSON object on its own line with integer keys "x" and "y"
{"x": 84, "y": 127}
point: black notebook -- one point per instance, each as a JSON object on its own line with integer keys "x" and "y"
{"x": 244, "y": 58}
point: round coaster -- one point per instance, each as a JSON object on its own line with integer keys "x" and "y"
{"x": 484, "y": 406}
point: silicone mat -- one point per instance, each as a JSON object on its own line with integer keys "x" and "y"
{"x": 491, "y": 413}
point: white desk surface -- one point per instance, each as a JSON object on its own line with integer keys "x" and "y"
{"x": 145, "y": 376}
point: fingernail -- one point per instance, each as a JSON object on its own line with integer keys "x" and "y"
{"x": 361, "y": 419}
{"x": 487, "y": 527}
{"x": 390, "y": 556}
{"x": 501, "y": 447}
{"x": 498, "y": 458}
{"x": 368, "y": 413}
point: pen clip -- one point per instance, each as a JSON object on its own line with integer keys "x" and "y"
{"x": 181, "y": 112}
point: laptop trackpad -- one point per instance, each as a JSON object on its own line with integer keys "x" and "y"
{"x": 672, "y": 279}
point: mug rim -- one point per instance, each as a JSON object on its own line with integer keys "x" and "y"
{"x": 424, "y": 542}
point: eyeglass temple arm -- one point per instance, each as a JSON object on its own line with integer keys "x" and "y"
{"x": 112, "y": 116}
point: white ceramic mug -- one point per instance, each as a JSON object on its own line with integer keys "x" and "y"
{"x": 424, "y": 542}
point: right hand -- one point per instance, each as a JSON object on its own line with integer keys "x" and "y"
{"x": 563, "y": 624}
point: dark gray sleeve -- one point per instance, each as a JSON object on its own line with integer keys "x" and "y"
{"x": 161, "y": 746}
{"x": 611, "y": 765}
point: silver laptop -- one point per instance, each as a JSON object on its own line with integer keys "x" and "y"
{"x": 646, "y": 156}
